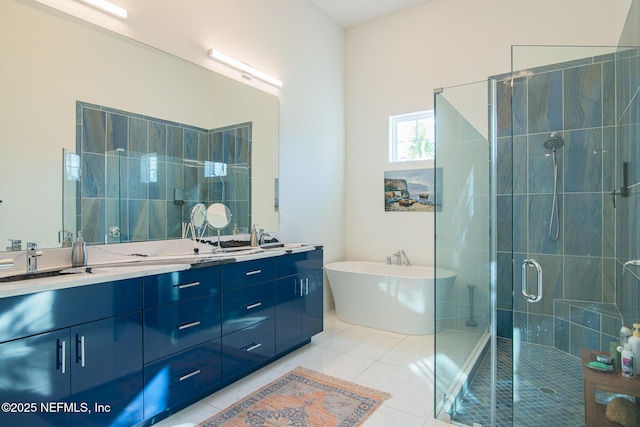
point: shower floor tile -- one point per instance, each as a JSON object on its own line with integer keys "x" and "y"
{"x": 548, "y": 389}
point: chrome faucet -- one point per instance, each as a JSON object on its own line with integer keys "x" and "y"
{"x": 398, "y": 256}
{"x": 32, "y": 257}
{"x": 263, "y": 236}
{"x": 406, "y": 258}
{"x": 16, "y": 245}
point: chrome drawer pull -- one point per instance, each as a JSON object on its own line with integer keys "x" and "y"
{"x": 253, "y": 347}
{"x": 251, "y": 273}
{"x": 187, "y": 285}
{"x": 258, "y": 304}
{"x": 189, "y": 325}
{"x": 190, "y": 374}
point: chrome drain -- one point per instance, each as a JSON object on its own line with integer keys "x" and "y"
{"x": 547, "y": 390}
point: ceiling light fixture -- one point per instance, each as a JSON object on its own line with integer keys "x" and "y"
{"x": 247, "y": 70}
{"x": 108, "y": 7}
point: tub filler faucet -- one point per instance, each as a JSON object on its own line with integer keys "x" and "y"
{"x": 398, "y": 256}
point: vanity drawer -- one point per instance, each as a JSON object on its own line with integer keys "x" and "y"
{"x": 290, "y": 264}
{"x": 175, "y": 327}
{"x": 67, "y": 307}
{"x": 247, "y": 273}
{"x": 246, "y": 348}
{"x": 174, "y": 379}
{"x": 246, "y": 306}
{"x": 181, "y": 285}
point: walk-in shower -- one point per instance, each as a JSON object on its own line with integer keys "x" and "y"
{"x": 576, "y": 105}
{"x": 555, "y": 142}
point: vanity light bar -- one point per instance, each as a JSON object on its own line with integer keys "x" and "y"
{"x": 245, "y": 69}
{"x": 108, "y": 7}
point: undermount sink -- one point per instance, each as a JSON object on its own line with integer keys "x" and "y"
{"x": 46, "y": 273}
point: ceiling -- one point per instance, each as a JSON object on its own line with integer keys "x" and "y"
{"x": 351, "y": 13}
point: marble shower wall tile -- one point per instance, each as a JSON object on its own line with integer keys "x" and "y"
{"x": 593, "y": 103}
{"x": 583, "y": 97}
{"x": 582, "y": 170}
{"x": 544, "y": 102}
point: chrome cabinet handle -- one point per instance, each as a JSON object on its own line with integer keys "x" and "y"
{"x": 187, "y": 285}
{"x": 251, "y": 273}
{"x": 306, "y": 286}
{"x": 80, "y": 351}
{"x": 256, "y": 305}
{"x": 189, "y": 375}
{"x": 188, "y": 325}
{"x": 531, "y": 298}
{"x": 62, "y": 353}
{"x": 252, "y": 347}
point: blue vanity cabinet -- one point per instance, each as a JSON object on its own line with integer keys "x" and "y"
{"x": 86, "y": 372}
{"x": 176, "y": 327}
{"x": 177, "y": 378}
{"x": 162, "y": 289}
{"x": 106, "y": 371}
{"x": 299, "y": 298}
{"x": 182, "y": 309}
{"x": 248, "y": 348}
{"x": 248, "y": 324}
{"x": 244, "y": 307}
{"x": 33, "y": 370}
{"x": 241, "y": 274}
{"x": 182, "y": 325}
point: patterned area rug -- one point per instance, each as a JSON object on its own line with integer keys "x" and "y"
{"x": 302, "y": 398}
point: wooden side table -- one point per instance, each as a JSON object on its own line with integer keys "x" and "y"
{"x": 604, "y": 381}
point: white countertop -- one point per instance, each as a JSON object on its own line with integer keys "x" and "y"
{"x": 98, "y": 275}
{"x": 110, "y": 268}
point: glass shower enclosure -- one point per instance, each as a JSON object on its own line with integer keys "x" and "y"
{"x": 561, "y": 137}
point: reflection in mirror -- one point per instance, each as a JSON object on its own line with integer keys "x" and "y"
{"x": 218, "y": 217}
{"x": 40, "y": 87}
{"x": 157, "y": 172}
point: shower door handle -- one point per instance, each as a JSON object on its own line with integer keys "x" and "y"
{"x": 525, "y": 291}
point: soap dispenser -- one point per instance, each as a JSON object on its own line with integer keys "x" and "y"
{"x": 253, "y": 241}
{"x": 79, "y": 252}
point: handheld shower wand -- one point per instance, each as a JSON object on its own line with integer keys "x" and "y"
{"x": 555, "y": 142}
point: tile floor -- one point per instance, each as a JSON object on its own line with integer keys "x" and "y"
{"x": 399, "y": 364}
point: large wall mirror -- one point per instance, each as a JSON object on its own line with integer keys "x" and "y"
{"x": 52, "y": 62}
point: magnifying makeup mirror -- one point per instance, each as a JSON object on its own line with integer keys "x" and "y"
{"x": 198, "y": 218}
{"x": 218, "y": 217}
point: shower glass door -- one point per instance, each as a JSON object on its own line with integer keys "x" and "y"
{"x": 565, "y": 123}
{"x": 462, "y": 245}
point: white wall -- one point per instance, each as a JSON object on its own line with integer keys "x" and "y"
{"x": 288, "y": 39}
{"x": 394, "y": 64}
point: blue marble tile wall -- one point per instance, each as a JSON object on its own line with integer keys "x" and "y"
{"x": 628, "y": 227}
{"x": 133, "y": 166}
{"x": 578, "y": 99}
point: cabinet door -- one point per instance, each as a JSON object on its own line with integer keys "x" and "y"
{"x": 312, "y": 306}
{"x": 35, "y": 370}
{"x": 288, "y": 313}
{"x": 106, "y": 371}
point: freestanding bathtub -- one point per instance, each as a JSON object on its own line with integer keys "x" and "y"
{"x": 388, "y": 297}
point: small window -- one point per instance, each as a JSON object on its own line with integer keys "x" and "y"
{"x": 411, "y": 137}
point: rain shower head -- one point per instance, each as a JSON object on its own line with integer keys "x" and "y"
{"x": 554, "y": 143}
